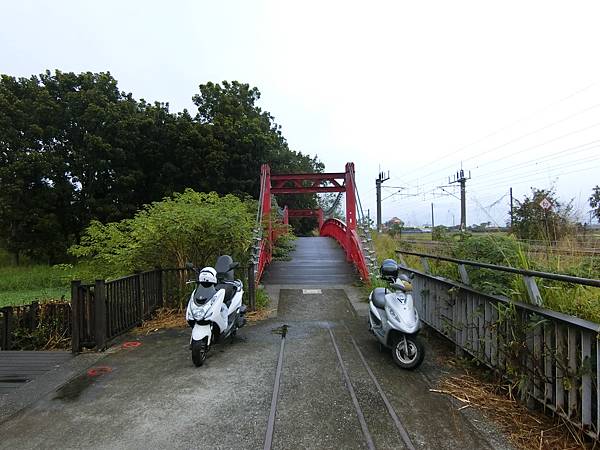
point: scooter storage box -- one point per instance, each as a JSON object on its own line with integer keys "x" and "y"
{"x": 389, "y": 269}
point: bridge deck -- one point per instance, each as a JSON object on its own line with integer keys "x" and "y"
{"x": 315, "y": 261}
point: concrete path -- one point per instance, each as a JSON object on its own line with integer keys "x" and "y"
{"x": 152, "y": 396}
{"x": 20, "y": 367}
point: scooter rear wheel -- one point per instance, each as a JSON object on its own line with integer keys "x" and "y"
{"x": 409, "y": 356}
{"x": 199, "y": 352}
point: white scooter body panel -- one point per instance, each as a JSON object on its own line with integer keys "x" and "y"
{"x": 215, "y": 310}
{"x": 199, "y": 332}
{"x": 374, "y": 310}
{"x": 404, "y": 317}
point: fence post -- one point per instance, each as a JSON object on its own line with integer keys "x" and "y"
{"x": 33, "y": 312}
{"x": 464, "y": 275}
{"x": 532, "y": 290}
{"x": 100, "y": 314}
{"x": 251, "y": 286}
{"x": 6, "y": 341}
{"x": 75, "y": 313}
{"x": 159, "y": 286}
{"x": 140, "y": 298}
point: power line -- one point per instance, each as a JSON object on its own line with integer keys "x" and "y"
{"x": 529, "y": 180}
{"x": 518, "y": 138}
{"x": 513, "y": 176}
{"x": 529, "y": 116}
{"x": 560, "y": 153}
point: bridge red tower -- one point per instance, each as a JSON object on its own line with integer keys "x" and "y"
{"x": 309, "y": 183}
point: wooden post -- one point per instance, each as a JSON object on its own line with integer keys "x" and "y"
{"x": 6, "y": 338}
{"x": 159, "y": 287}
{"x": 75, "y": 319}
{"x": 34, "y": 312}
{"x": 100, "y": 314}
{"x": 139, "y": 298}
{"x": 251, "y": 286}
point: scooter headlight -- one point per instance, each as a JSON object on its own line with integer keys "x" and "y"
{"x": 401, "y": 296}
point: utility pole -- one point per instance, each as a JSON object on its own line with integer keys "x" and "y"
{"x": 511, "y": 209}
{"x": 432, "y": 221}
{"x": 378, "y": 182}
{"x": 460, "y": 178}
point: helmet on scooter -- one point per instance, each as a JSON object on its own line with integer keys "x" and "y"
{"x": 207, "y": 277}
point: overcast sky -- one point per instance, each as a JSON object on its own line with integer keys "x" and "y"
{"x": 509, "y": 88}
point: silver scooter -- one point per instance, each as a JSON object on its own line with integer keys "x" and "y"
{"x": 393, "y": 318}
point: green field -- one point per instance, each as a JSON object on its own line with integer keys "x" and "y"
{"x": 25, "y": 284}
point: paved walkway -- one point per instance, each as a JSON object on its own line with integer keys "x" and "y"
{"x": 310, "y": 378}
{"x": 153, "y": 397}
{"x": 20, "y": 367}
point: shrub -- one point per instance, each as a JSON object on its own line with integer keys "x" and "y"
{"x": 191, "y": 226}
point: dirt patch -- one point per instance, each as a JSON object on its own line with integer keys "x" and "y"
{"x": 165, "y": 318}
{"x": 525, "y": 429}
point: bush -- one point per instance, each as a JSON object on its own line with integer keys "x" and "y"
{"x": 191, "y": 226}
{"x": 284, "y": 245}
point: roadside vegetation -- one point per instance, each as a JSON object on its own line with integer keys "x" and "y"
{"x": 545, "y": 240}
{"x": 285, "y": 244}
{"x": 86, "y": 168}
{"x": 569, "y": 256}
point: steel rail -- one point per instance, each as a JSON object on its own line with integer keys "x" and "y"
{"x": 359, "y": 413}
{"x": 407, "y": 442}
{"x": 529, "y": 273}
{"x": 275, "y": 397}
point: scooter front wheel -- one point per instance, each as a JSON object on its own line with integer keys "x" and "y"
{"x": 199, "y": 351}
{"x": 408, "y": 352}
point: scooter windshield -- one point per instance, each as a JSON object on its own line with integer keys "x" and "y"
{"x": 203, "y": 294}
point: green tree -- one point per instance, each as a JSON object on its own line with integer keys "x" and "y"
{"x": 532, "y": 221}
{"x": 73, "y": 149}
{"x": 595, "y": 202}
{"x": 191, "y": 226}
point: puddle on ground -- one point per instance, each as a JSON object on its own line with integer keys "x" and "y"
{"x": 73, "y": 389}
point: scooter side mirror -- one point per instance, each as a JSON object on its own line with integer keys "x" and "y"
{"x": 398, "y": 287}
{"x": 234, "y": 265}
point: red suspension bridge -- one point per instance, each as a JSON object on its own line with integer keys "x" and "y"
{"x": 346, "y": 233}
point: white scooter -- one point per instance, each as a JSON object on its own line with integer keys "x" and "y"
{"x": 215, "y": 310}
{"x": 393, "y": 318}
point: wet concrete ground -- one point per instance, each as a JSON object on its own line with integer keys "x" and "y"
{"x": 153, "y": 397}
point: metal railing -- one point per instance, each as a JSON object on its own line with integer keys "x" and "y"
{"x": 554, "y": 358}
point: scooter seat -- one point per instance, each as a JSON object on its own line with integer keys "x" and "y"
{"x": 230, "y": 291}
{"x": 378, "y": 297}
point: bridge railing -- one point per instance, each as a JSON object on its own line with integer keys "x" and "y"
{"x": 350, "y": 242}
{"x": 553, "y": 358}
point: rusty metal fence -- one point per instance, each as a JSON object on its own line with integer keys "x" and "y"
{"x": 554, "y": 358}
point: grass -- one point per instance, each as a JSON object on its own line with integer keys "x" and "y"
{"x": 20, "y": 285}
{"x": 570, "y": 256}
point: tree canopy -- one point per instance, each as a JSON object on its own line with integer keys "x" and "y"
{"x": 542, "y": 217}
{"x": 74, "y": 148}
{"x": 595, "y": 202}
